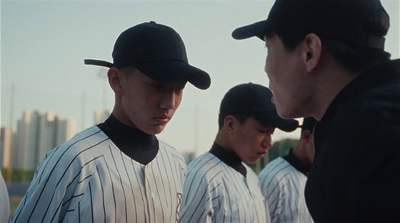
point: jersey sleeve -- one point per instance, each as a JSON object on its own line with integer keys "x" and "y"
{"x": 51, "y": 189}
{"x": 36, "y": 203}
{"x": 197, "y": 199}
{"x": 272, "y": 190}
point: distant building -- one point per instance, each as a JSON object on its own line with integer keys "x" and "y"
{"x": 101, "y": 115}
{"x": 6, "y": 144}
{"x": 26, "y": 148}
{"x": 66, "y": 129}
{"x": 38, "y": 133}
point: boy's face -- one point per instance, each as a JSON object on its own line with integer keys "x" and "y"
{"x": 147, "y": 104}
{"x": 251, "y": 140}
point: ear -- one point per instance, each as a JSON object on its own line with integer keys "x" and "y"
{"x": 306, "y": 136}
{"x": 229, "y": 124}
{"x": 312, "y": 51}
{"x": 115, "y": 80}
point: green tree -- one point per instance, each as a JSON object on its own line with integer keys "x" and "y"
{"x": 19, "y": 175}
{"x": 279, "y": 149}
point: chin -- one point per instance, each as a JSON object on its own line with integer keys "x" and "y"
{"x": 285, "y": 113}
{"x": 253, "y": 161}
{"x": 157, "y": 130}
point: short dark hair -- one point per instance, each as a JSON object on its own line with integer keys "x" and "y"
{"x": 352, "y": 57}
{"x": 240, "y": 117}
{"x": 128, "y": 70}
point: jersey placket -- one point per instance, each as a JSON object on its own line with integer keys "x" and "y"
{"x": 251, "y": 195}
{"x": 146, "y": 192}
{"x": 154, "y": 206}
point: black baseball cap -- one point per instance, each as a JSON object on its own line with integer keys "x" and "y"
{"x": 255, "y": 100}
{"x": 157, "y": 51}
{"x": 350, "y": 21}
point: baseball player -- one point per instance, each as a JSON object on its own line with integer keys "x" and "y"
{"x": 118, "y": 171}
{"x": 283, "y": 180}
{"x": 219, "y": 186}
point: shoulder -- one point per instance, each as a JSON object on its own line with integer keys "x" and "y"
{"x": 379, "y": 106}
{"x": 205, "y": 175}
{"x": 168, "y": 150}
{"x": 275, "y": 171}
{"x": 275, "y": 166}
{"x": 84, "y": 146}
{"x": 361, "y": 118}
{"x": 206, "y": 167}
{"x": 204, "y": 163}
{"x": 89, "y": 141}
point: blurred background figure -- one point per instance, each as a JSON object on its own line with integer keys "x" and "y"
{"x": 283, "y": 180}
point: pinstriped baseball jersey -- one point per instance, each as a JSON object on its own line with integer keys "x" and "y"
{"x": 283, "y": 187}
{"x": 215, "y": 192}
{"x": 88, "y": 179}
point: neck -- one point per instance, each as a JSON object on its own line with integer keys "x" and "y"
{"x": 300, "y": 152}
{"x": 221, "y": 139}
{"x": 331, "y": 78}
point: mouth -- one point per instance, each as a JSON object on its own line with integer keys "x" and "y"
{"x": 162, "y": 120}
{"x": 262, "y": 154}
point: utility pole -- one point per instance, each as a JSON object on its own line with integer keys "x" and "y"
{"x": 196, "y": 131}
{"x": 83, "y": 112}
{"x": 12, "y": 108}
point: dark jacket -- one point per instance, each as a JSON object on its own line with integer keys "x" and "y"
{"x": 356, "y": 172}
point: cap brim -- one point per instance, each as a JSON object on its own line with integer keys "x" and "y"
{"x": 308, "y": 123}
{"x": 98, "y": 63}
{"x": 256, "y": 29}
{"x": 170, "y": 71}
{"x": 272, "y": 119}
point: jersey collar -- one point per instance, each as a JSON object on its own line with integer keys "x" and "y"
{"x": 230, "y": 158}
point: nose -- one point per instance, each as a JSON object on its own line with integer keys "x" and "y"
{"x": 265, "y": 68}
{"x": 168, "y": 100}
{"x": 267, "y": 142}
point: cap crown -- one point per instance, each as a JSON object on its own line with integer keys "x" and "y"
{"x": 345, "y": 20}
{"x": 359, "y": 22}
{"x": 157, "y": 51}
{"x": 254, "y": 100}
{"x": 148, "y": 42}
{"x": 247, "y": 99}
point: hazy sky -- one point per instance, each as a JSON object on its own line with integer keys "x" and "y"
{"x": 43, "y": 44}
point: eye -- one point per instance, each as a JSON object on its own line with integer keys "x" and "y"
{"x": 262, "y": 131}
{"x": 266, "y": 131}
{"x": 156, "y": 85}
{"x": 179, "y": 88}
